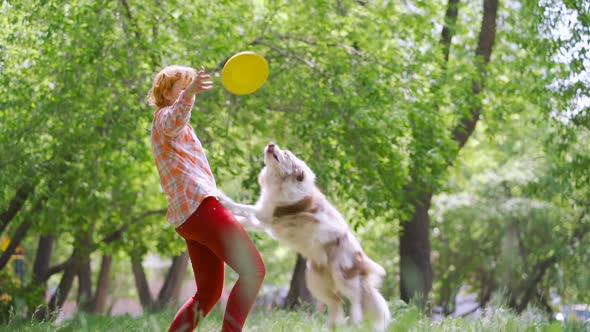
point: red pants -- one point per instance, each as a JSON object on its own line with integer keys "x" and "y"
{"x": 213, "y": 237}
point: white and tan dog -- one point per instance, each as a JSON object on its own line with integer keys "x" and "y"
{"x": 293, "y": 210}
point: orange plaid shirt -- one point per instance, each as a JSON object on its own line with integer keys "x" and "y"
{"x": 185, "y": 175}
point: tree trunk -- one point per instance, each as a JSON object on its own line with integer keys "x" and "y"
{"x": 542, "y": 300}
{"x": 448, "y": 31}
{"x": 81, "y": 250}
{"x": 102, "y": 285}
{"x": 71, "y": 266}
{"x": 171, "y": 287}
{"x": 483, "y": 53}
{"x": 141, "y": 283}
{"x": 65, "y": 285}
{"x": 85, "y": 286}
{"x": 40, "y": 271}
{"x": 415, "y": 267}
{"x": 414, "y": 250}
{"x": 42, "y": 258}
{"x": 298, "y": 291}
{"x": 531, "y": 288}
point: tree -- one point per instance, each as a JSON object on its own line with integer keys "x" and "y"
{"x": 528, "y": 237}
{"x": 518, "y": 196}
{"x": 298, "y": 292}
{"x": 170, "y": 289}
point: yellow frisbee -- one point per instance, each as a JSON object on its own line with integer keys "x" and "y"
{"x": 244, "y": 73}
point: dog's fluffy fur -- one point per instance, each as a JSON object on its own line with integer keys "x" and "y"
{"x": 293, "y": 210}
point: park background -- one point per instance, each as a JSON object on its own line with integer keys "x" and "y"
{"x": 452, "y": 135}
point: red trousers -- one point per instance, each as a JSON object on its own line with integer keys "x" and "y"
{"x": 214, "y": 237}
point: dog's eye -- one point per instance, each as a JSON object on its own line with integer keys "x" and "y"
{"x": 300, "y": 176}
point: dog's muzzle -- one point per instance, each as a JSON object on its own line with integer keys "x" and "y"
{"x": 271, "y": 149}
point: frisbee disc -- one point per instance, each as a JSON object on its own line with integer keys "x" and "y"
{"x": 244, "y": 73}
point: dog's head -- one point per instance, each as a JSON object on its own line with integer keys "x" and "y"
{"x": 283, "y": 171}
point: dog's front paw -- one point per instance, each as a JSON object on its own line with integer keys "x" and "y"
{"x": 250, "y": 223}
{"x": 253, "y": 220}
{"x": 224, "y": 199}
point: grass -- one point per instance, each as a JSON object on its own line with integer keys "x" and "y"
{"x": 405, "y": 319}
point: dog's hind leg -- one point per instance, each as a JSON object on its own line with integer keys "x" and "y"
{"x": 351, "y": 288}
{"x": 356, "y": 313}
{"x": 321, "y": 287}
{"x": 356, "y": 309}
{"x": 335, "y": 312}
{"x": 375, "y": 306}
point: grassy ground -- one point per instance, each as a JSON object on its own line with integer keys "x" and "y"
{"x": 406, "y": 319}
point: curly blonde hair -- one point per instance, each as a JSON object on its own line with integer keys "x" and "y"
{"x": 164, "y": 80}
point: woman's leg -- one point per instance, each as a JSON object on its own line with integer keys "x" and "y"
{"x": 214, "y": 227}
{"x": 209, "y": 273}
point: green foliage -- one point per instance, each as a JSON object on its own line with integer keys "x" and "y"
{"x": 15, "y": 300}
{"x": 517, "y": 198}
{"x": 515, "y": 203}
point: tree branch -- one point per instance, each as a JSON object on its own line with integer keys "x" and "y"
{"x": 348, "y": 48}
{"x": 288, "y": 54}
{"x": 541, "y": 268}
{"x": 580, "y": 231}
{"x": 116, "y": 235}
{"x": 465, "y": 314}
{"x": 56, "y": 269}
{"x": 544, "y": 304}
{"x": 538, "y": 275}
{"x": 16, "y": 204}
{"x": 63, "y": 289}
{"x": 448, "y": 30}
{"x": 130, "y": 17}
{"x": 487, "y": 37}
{"x": 19, "y": 234}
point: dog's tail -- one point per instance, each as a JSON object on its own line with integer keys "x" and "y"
{"x": 373, "y": 272}
{"x": 374, "y": 305}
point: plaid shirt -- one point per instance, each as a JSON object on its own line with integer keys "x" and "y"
{"x": 185, "y": 175}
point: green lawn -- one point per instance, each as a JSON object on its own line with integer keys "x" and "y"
{"x": 406, "y": 319}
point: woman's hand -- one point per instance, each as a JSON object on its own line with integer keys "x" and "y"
{"x": 201, "y": 83}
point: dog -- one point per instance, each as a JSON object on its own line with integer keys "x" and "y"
{"x": 293, "y": 210}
